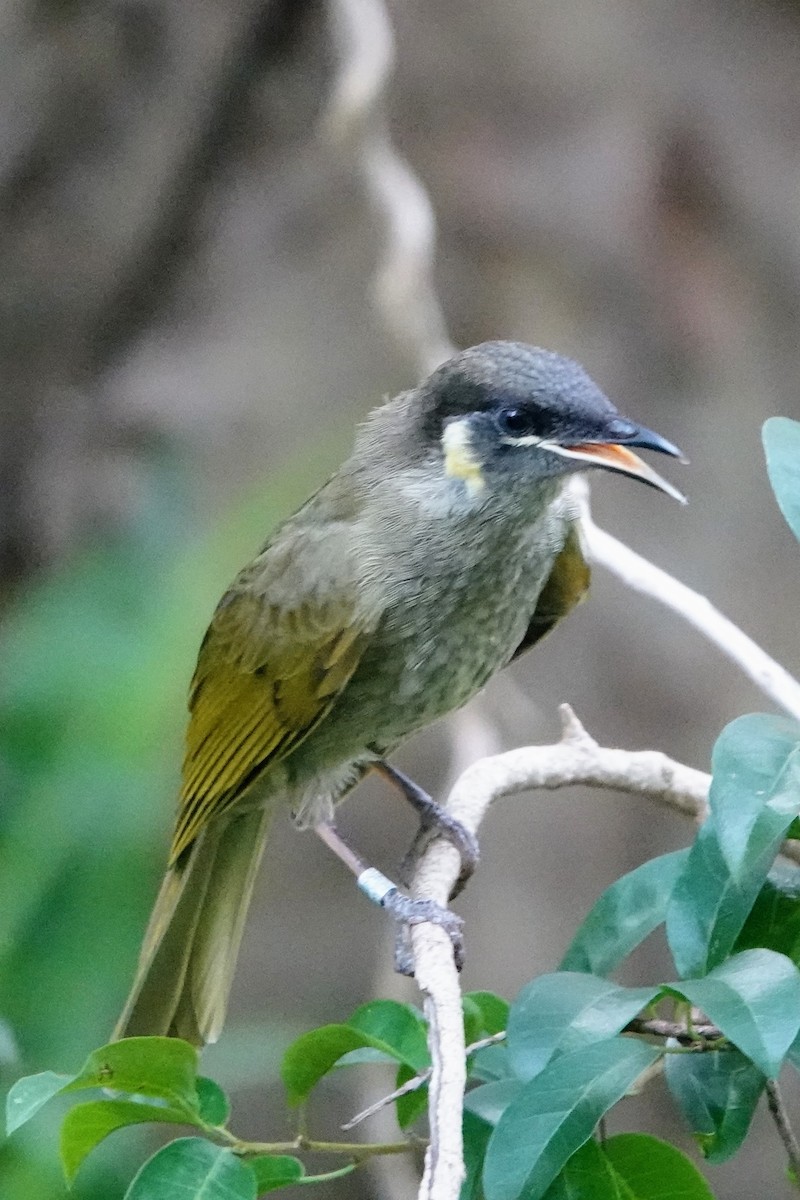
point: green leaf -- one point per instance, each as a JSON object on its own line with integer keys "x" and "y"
{"x": 754, "y": 998}
{"x": 31, "y": 1093}
{"x": 313, "y": 1055}
{"x": 717, "y": 1093}
{"x": 781, "y": 438}
{"x": 163, "y": 1068}
{"x": 490, "y": 1101}
{"x": 630, "y": 1166}
{"x": 774, "y": 920}
{"x": 476, "y": 1139}
{"x": 650, "y": 1169}
{"x": 588, "y": 1175}
{"x": 86, "y": 1125}
{"x": 493, "y": 1011}
{"x": 556, "y": 1112}
{"x": 396, "y": 1028}
{"x": 193, "y": 1169}
{"x": 473, "y": 1021}
{"x": 213, "y": 1105}
{"x": 273, "y": 1171}
{"x": 159, "y": 1068}
{"x": 626, "y": 913}
{"x": 490, "y": 1064}
{"x": 755, "y": 794}
{"x": 558, "y": 1013}
{"x": 412, "y": 1105}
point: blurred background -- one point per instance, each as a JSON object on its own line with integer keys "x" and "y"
{"x": 188, "y": 334}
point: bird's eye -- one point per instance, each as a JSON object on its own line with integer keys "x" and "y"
{"x": 515, "y": 421}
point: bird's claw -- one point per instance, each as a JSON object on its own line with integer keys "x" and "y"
{"x": 437, "y": 821}
{"x": 407, "y": 912}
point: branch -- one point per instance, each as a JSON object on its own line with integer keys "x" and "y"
{"x": 575, "y": 759}
{"x": 645, "y": 577}
{"x": 778, "y": 1112}
{"x": 405, "y": 291}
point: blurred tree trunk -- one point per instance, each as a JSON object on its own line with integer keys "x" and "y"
{"x": 118, "y": 118}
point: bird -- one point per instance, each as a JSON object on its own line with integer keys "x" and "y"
{"x": 444, "y": 547}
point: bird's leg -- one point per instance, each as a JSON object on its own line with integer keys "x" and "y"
{"x": 433, "y": 820}
{"x": 405, "y": 910}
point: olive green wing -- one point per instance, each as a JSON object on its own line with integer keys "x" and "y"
{"x": 566, "y": 586}
{"x": 266, "y": 675}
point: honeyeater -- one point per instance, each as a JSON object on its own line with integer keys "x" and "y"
{"x": 443, "y": 547}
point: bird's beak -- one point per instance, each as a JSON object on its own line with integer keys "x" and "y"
{"x": 615, "y": 456}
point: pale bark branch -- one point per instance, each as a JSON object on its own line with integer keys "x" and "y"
{"x": 645, "y": 577}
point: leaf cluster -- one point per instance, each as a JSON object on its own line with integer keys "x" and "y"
{"x": 545, "y": 1070}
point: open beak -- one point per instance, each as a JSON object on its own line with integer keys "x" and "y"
{"x": 617, "y": 457}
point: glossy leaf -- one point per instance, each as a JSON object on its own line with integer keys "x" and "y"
{"x": 489, "y": 1064}
{"x": 29, "y": 1094}
{"x": 397, "y": 1028}
{"x": 627, "y": 912}
{"x": 213, "y": 1105}
{"x": 193, "y": 1169}
{"x": 774, "y": 920}
{"x": 493, "y": 1011}
{"x": 754, "y": 998}
{"x": 491, "y": 1100}
{"x": 587, "y": 1175}
{"x": 558, "y": 1013}
{"x": 630, "y": 1166}
{"x": 653, "y": 1170}
{"x": 313, "y": 1055}
{"x": 556, "y": 1112}
{"x": 781, "y": 438}
{"x": 717, "y": 1094}
{"x": 476, "y": 1139}
{"x": 86, "y": 1125}
{"x": 473, "y": 1020}
{"x": 273, "y": 1171}
{"x": 755, "y": 794}
{"x": 410, "y": 1107}
{"x": 159, "y": 1067}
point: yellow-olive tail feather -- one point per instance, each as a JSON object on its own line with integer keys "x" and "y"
{"x": 190, "y": 948}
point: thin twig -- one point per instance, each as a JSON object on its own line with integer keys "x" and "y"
{"x": 643, "y": 576}
{"x": 780, "y": 1116}
{"x": 416, "y": 1082}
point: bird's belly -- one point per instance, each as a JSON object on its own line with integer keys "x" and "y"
{"x": 430, "y": 655}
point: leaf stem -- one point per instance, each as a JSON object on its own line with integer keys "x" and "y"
{"x": 358, "y": 1152}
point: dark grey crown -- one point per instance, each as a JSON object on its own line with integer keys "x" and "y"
{"x": 554, "y": 395}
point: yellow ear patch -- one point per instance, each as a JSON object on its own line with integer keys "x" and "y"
{"x": 459, "y": 458}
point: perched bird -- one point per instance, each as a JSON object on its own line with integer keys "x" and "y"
{"x": 444, "y": 547}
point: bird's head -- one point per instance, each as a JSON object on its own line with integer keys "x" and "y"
{"x": 506, "y": 411}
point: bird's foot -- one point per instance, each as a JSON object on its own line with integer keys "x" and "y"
{"x": 434, "y": 821}
{"x": 408, "y": 912}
